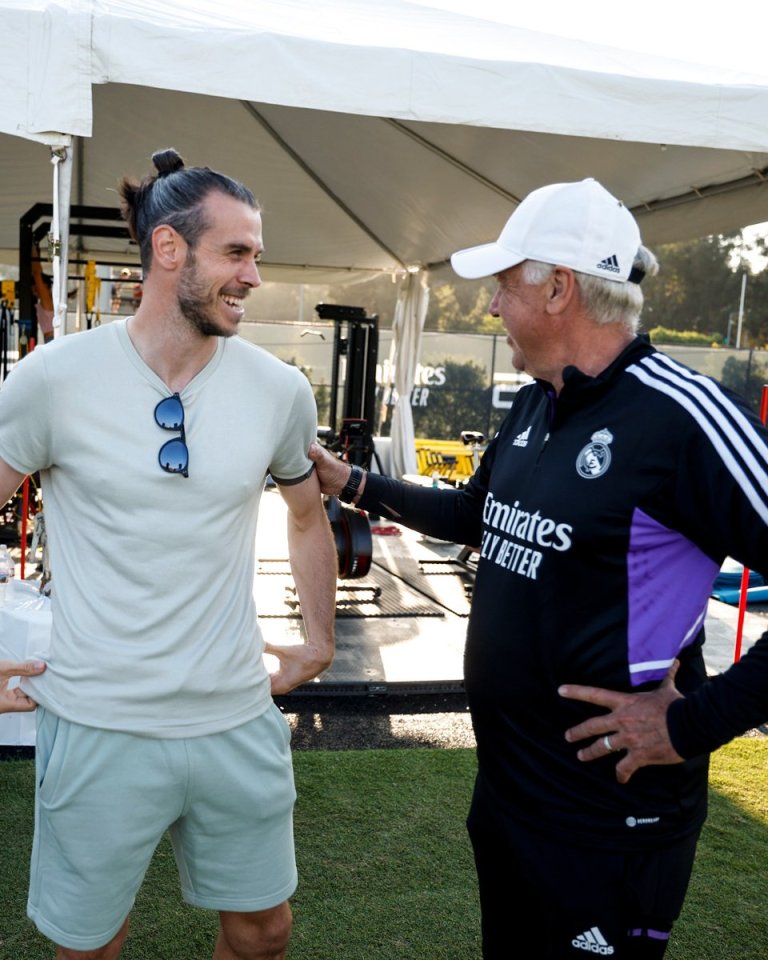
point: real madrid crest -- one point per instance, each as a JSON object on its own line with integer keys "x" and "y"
{"x": 595, "y": 458}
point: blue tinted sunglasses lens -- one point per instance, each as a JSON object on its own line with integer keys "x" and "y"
{"x": 169, "y": 413}
{"x": 174, "y": 456}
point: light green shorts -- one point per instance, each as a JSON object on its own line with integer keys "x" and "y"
{"x": 105, "y": 799}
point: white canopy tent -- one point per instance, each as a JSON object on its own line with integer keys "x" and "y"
{"x": 380, "y": 136}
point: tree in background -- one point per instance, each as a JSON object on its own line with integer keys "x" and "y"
{"x": 695, "y": 288}
{"x": 461, "y": 403}
{"x": 756, "y": 303}
{"x": 462, "y": 307}
{"x": 698, "y": 288}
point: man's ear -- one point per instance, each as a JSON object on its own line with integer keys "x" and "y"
{"x": 169, "y": 249}
{"x": 561, "y": 290}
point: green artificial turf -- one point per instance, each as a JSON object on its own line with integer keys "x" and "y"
{"x": 386, "y": 869}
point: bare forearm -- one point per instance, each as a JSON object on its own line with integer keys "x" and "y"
{"x": 312, "y": 554}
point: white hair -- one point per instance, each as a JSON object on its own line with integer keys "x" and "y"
{"x": 607, "y": 301}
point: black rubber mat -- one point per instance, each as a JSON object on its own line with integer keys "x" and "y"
{"x": 377, "y": 595}
{"x": 444, "y": 581}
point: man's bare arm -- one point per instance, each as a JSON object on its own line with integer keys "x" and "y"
{"x": 312, "y": 553}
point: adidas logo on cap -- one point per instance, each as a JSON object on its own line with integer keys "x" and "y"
{"x": 610, "y": 263}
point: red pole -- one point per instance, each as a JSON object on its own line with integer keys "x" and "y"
{"x": 745, "y": 571}
{"x": 742, "y": 611}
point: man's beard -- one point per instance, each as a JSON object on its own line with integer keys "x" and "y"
{"x": 196, "y": 305}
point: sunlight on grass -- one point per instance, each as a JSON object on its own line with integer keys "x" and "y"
{"x": 386, "y": 869}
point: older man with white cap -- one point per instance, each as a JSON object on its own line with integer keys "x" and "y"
{"x": 602, "y": 511}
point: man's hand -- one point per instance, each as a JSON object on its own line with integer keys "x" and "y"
{"x": 332, "y": 473}
{"x": 637, "y": 724}
{"x": 15, "y": 700}
{"x": 298, "y": 663}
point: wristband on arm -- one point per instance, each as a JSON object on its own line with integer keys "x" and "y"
{"x": 349, "y": 492}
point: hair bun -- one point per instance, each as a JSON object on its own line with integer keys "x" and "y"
{"x": 167, "y": 161}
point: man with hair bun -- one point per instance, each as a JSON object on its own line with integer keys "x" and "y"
{"x": 153, "y": 436}
{"x": 602, "y": 510}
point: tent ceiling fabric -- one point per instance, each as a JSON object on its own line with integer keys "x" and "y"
{"x": 377, "y": 136}
{"x": 398, "y": 59}
{"x": 347, "y": 195}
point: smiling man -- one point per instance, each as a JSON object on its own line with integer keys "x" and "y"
{"x": 154, "y": 435}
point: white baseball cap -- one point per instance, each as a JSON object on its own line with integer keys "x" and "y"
{"x": 578, "y": 225}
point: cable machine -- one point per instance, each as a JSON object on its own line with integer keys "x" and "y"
{"x": 34, "y": 225}
{"x": 355, "y": 346}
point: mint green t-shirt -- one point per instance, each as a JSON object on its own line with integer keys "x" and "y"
{"x": 155, "y": 630}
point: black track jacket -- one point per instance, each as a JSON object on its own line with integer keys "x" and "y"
{"x": 602, "y": 517}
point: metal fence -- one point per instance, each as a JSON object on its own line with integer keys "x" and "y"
{"x": 466, "y": 381}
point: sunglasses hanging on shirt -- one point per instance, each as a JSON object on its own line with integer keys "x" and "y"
{"x": 173, "y": 455}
